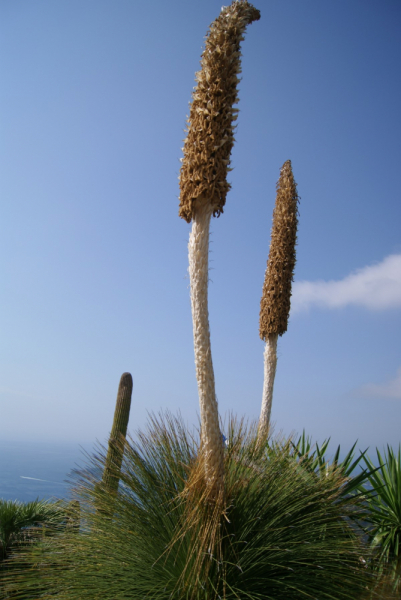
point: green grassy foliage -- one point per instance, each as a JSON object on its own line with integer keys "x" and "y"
{"x": 19, "y": 520}
{"x": 313, "y": 458}
{"x": 384, "y": 514}
{"x": 280, "y": 532}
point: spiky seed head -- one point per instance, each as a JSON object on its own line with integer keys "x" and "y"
{"x": 207, "y": 148}
{"x": 276, "y": 297}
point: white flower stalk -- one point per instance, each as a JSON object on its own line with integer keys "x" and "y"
{"x": 276, "y": 299}
{"x": 203, "y": 190}
{"x": 270, "y": 363}
{"x": 211, "y": 437}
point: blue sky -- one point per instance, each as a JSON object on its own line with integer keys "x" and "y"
{"x": 94, "y": 256}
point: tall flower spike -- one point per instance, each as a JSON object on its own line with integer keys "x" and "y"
{"x": 276, "y": 298}
{"x": 203, "y": 190}
{"x": 207, "y": 148}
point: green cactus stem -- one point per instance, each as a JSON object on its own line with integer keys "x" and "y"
{"x": 117, "y": 436}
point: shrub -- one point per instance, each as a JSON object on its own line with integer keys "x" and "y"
{"x": 281, "y": 532}
{"x": 384, "y": 516}
{"x": 19, "y": 519}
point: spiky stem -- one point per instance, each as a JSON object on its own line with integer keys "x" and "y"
{"x": 198, "y": 249}
{"x": 118, "y": 432}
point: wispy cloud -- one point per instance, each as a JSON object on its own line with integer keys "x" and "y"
{"x": 376, "y": 287}
{"x": 390, "y": 389}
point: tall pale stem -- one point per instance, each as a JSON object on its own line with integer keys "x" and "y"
{"x": 211, "y": 438}
{"x": 270, "y": 360}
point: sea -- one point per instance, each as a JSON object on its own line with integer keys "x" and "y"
{"x": 44, "y": 470}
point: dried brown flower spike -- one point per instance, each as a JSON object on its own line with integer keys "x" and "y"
{"x": 276, "y": 298}
{"x": 203, "y": 192}
{"x": 207, "y": 148}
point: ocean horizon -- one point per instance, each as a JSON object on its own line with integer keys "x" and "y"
{"x": 44, "y": 470}
{"x": 31, "y": 470}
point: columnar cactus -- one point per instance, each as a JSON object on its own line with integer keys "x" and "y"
{"x": 276, "y": 298}
{"x": 118, "y": 432}
{"x": 204, "y": 187}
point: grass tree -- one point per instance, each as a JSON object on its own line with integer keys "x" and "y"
{"x": 283, "y": 534}
{"x": 276, "y": 297}
{"x": 203, "y": 190}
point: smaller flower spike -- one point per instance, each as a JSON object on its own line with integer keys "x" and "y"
{"x": 276, "y": 298}
{"x": 207, "y": 148}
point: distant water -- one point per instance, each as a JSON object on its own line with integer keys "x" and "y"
{"x": 38, "y": 469}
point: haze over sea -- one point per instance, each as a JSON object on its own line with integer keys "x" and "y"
{"x": 30, "y": 470}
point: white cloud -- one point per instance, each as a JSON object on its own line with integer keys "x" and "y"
{"x": 376, "y": 287}
{"x": 391, "y": 389}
